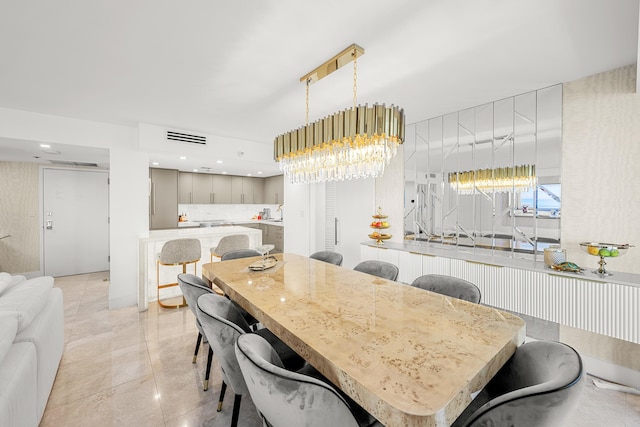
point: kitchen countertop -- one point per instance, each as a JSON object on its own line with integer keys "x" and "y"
{"x": 196, "y": 224}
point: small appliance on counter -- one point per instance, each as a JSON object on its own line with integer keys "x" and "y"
{"x": 266, "y": 213}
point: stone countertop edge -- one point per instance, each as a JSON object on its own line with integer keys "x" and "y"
{"x": 485, "y": 256}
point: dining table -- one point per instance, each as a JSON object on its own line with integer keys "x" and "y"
{"x": 408, "y": 356}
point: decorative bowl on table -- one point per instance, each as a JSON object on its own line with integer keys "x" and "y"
{"x": 605, "y": 250}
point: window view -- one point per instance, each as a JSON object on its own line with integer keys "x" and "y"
{"x": 549, "y": 197}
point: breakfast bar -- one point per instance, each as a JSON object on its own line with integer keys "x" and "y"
{"x": 408, "y": 356}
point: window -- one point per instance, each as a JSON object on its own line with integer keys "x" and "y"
{"x": 549, "y": 197}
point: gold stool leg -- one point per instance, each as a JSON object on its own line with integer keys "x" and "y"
{"x": 168, "y": 285}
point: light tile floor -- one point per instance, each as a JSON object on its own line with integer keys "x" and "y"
{"x": 125, "y": 368}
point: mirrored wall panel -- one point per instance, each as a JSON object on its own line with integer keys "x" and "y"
{"x": 487, "y": 176}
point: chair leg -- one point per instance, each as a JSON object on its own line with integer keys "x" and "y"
{"x": 236, "y": 410}
{"x": 195, "y": 353}
{"x": 221, "y": 398}
{"x": 208, "y": 371}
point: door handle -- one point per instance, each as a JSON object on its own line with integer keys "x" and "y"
{"x": 335, "y": 230}
{"x": 153, "y": 198}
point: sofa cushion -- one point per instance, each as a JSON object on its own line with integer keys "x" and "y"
{"x": 8, "y": 281}
{"x": 26, "y": 300}
{"x": 7, "y": 332}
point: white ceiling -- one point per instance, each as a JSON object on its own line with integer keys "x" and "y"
{"x": 232, "y": 69}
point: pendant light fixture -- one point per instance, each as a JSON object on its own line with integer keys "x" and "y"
{"x": 354, "y": 143}
{"x": 515, "y": 179}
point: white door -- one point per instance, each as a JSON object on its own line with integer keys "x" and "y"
{"x": 354, "y": 205}
{"x": 75, "y": 221}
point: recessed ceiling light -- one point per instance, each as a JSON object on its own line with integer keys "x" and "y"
{"x": 155, "y": 163}
{"x": 248, "y": 174}
{"x": 183, "y": 158}
{"x": 45, "y": 146}
{"x": 259, "y": 173}
{"x": 195, "y": 170}
{"x": 224, "y": 173}
{"x": 218, "y": 161}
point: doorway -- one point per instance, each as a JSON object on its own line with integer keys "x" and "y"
{"x": 75, "y": 219}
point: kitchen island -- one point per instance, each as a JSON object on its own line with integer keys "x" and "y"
{"x": 150, "y": 246}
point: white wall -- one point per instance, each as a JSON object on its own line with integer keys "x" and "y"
{"x": 128, "y": 191}
{"x": 129, "y": 220}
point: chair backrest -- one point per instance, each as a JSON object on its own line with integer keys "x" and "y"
{"x": 192, "y": 287}
{"x": 240, "y": 253}
{"x": 328, "y": 256}
{"x": 287, "y": 398}
{"x": 538, "y": 386}
{"x": 378, "y": 268}
{"x": 449, "y": 286}
{"x": 231, "y": 243}
{"x": 179, "y": 251}
{"x": 223, "y": 324}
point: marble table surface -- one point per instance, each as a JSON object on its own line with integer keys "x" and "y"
{"x": 408, "y": 356}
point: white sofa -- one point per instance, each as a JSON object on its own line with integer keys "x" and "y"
{"x": 31, "y": 346}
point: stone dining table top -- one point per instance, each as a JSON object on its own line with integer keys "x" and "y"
{"x": 408, "y": 356}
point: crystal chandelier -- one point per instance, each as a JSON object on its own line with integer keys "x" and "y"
{"x": 516, "y": 179}
{"x": 354, "y": 143}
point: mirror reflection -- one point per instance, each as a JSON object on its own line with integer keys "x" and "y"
{"x": 487, "y": 176}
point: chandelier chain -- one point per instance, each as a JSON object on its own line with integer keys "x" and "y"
{"x": 307, "y": 103}
{"x": 355, "y": 78}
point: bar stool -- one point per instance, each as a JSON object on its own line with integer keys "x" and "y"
{"x": 177, "y": 252}
{"x": 230, "y": 243}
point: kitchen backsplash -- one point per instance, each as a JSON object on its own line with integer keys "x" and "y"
{"x": 199, "y": 213}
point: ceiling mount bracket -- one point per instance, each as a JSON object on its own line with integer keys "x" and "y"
{"x": 333, "y": 64}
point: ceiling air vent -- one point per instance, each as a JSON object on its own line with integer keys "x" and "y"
{"x": 68, "y": 163}
{"x": 186, "y": 137}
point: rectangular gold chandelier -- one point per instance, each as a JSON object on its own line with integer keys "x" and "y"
{"x": 353, "y": 143}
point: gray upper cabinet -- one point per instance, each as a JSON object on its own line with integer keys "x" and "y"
{"x": 221, "y": 189}
{"x": 247, "y": 190}
{"x": 163, "y": 199}
{"x": 185, "y": 188}
{"x": 258, "y": 190}
{"x": 274, "y": 190}
{"x": 202, "y": 188}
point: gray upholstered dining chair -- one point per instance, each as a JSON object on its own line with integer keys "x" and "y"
{"x": 382, "y": 269}
{"x": 192, "y": 287}
{"x": 240, "y": 253}
{"x": 328, "y": 256}
{"x": 285, "y": 398}
{"x": 449, "y": 286}
{"x": 223, "y": 324}
{"x": 230, "y": 243}
{"x": 538, "y": 386}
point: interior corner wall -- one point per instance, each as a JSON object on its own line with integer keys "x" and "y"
{"x": 389, "y": 196}
{"x": 600, "y": 173}
{"x": 129, "y": 220}
{"x": 20, "y": 218}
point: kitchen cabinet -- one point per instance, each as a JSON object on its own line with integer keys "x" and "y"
{"x": 247, "y": 190}
{"x": 163, "y": 198}
{"x": 221, "y": 189}
{"x": 195, "y": 188}
{"x": 202, "y": 188}
{"x": 274, "y": 190}
{"x": 185, "y": 187}
{"x": 274, "y": 235}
